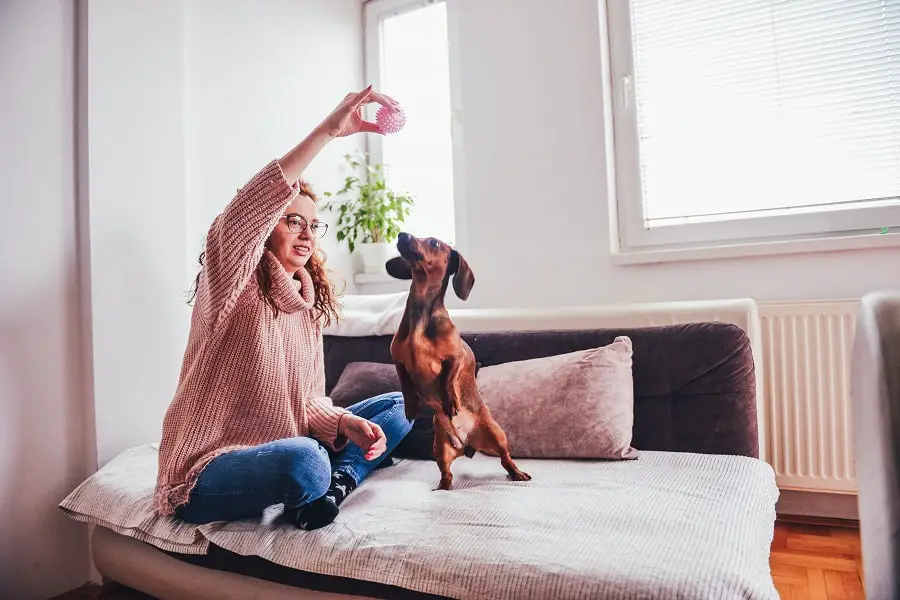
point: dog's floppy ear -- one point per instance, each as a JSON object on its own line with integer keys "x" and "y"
{"x": 398, "y": 268}
{"x": 463, "y": 277}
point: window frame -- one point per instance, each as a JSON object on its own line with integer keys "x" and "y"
{"x": 808, "y": 229}
{"x": 374, "y": 12}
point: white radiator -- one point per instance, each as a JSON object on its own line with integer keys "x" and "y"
{"x": 806, "y": 349}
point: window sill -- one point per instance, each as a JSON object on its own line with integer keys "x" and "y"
{"x": 367, "y": 278}
{"x": 633, "y": 256}
{"x": 378, "y": 283}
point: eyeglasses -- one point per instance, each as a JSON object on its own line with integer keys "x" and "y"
{"x": 296, "y": 224}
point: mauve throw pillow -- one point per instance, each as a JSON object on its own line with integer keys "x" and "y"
{"x": 363, "y": 380}
{"x": 574, "y": 405}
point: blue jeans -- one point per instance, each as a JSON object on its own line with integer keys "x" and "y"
{"x": 293, "y": 471}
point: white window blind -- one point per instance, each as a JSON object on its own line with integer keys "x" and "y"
{"x": 764, "y": 107}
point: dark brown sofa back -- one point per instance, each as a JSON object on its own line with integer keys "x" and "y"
{"x": 694, "y": 384}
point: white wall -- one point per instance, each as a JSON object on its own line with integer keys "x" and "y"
{"x": 136, "y": 205}
{"x": 45, "y": 445}
{"x": 260, "y": 76}
{"x": 186, "y": 100}
{"x": 537, "y": 220}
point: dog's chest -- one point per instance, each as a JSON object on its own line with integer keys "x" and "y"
{"x": 426, "y": 360}
{"x": 422, "y": 356}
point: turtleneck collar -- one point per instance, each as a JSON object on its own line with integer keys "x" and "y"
{"x": 290, "y": 294}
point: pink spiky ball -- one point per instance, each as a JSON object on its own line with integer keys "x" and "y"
{"x": 389, "y": 119}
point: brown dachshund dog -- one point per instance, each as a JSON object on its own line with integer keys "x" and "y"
{"x": 435, "y": 365}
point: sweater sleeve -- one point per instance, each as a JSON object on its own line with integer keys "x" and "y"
{"x": 236, "y": 239}
{"x": 323, "y": 422}
{"x": 324, "y": 416}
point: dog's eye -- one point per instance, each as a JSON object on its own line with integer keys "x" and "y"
{"x": 435, "y": 243}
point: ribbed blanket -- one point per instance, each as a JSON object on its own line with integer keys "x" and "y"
{"x": 664, "y": 526}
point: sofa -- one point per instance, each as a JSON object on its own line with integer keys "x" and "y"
{"x": 691, "y": 516}
{"x": 875, "y": 389}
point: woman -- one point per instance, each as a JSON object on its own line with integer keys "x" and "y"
{"x": 250, "y": 425}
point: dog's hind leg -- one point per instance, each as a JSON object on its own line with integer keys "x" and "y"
{"x": 493, "y": 439}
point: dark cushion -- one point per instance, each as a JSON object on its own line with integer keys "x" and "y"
{"x": 363, "y": 380}
{"x": 694, "y": 383}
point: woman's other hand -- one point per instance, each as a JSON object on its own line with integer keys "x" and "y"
{"x": 346, "y": 119}
{"x": 365, "y": 434}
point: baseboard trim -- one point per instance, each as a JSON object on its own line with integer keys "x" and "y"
{"x": 794, "y": 504}
{"x": 818, "y": 521}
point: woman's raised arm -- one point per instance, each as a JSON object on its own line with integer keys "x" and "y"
{"x": 236, "y": 240}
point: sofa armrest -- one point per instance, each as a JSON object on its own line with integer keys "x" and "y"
{"x": 875, "y": 391}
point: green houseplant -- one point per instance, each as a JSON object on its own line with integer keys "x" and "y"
{"x": 369, "y": 213}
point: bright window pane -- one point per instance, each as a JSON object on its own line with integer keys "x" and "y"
{"x": 766, "y": 105}
{"x": 415, "y": 71}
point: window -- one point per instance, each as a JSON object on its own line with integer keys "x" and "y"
{"x": 407, "y": 59}
{"x": 754, "y": 120}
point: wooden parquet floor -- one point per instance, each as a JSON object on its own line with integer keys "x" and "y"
{"x": 809, "y": 562}
{"x": 816, "y": 562}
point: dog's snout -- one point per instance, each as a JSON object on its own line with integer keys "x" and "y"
{"x": 403, "y": 241}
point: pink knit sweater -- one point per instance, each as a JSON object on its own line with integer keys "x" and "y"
{"x": 247, "y": 377}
